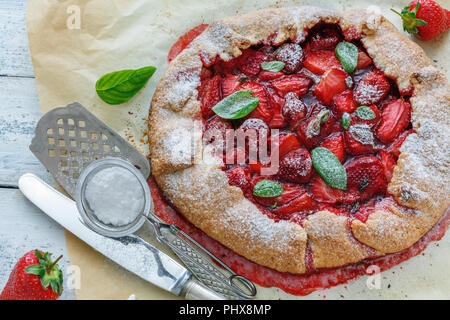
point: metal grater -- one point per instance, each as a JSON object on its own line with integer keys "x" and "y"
{"x": 68, "y": 139}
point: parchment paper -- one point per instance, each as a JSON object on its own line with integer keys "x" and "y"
{"x": 121, "y": 34}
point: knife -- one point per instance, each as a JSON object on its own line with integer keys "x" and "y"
{"x": 131, "y": 252}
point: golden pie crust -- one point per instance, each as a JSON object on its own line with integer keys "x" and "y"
{"x": 191, "y": 177}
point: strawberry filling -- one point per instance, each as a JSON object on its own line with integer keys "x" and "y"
{"x": 306, "y": 101}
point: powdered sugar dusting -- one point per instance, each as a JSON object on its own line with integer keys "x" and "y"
{"x": 115, "y": 196}
{"x": 425, "y": 159}
{"x": 366, "y": 93}
{"x": 216, "y": 40}
{"x": 293, "y": 106}
{"x": 183, "y": 86}
{"x": 362, "y": 134}
{"x": 258, "y": 227}
{"x": 292, "y": 56}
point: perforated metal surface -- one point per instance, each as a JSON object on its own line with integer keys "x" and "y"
{"x": 68, "y": 139}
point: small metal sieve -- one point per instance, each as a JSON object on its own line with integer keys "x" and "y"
{"x": 88, "y": 215}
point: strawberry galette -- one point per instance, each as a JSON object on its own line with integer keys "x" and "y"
{"x": 355, "y": 113}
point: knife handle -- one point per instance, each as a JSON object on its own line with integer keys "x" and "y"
{"x": 194, "y": 290}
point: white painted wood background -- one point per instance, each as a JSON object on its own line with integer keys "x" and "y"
{"x": 23, "y": 227}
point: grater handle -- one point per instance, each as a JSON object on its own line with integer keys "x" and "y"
{"x": 194, "y": 290}
{"x": 193, "y": 255}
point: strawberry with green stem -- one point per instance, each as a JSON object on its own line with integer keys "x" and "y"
{"x": 426, "y": 19}
{"x": 34, "y": 277}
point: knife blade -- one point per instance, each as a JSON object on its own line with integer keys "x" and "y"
{"x": 131, "y": 252}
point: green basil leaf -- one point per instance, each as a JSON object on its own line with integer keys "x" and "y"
{"x": 236, "y": 105}
{"x": 347, "y": 53}
{"x": 345, "y": 120}
{"x": 273, "y": 66}
{"x": 365, "y": 113}
{"x": 329, "y": 168}
{"x": 267, "y": 189}
{"x": 120, "y": 86}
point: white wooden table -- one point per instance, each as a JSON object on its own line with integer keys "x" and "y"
{"x": 23, "y": 227}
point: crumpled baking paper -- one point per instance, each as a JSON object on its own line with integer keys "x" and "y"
{"x": 75, "y": 42}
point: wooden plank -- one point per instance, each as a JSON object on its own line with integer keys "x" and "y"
{"x": 19, "y": 113}
{"x": 15, "y": 57}
{"x": 24, "y": 227}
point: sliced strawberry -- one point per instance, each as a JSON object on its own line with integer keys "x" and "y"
{"x": 184, "y": 41}
{"x": 332, "y": 83}
{"x": 363, "y": 60}
{"x": 278, "y": 121}
{"x": 269, "y": 76}
{"x": 388, "y": 164}
{"x": 276, "y": 102}
{"x": 293, "y": 109}
{"x": 292, "y": 56}
{"x": 225, "y": 67}
{"x": 230, "y": 84}
{"x": 366, "y": 175}
{"x": 351, "y": 196}
{"x": 325, "y": 38}
{"x": 300, "y": 203}
{"x": 372, "y": 122}
{"x": 324, "y": 193}
{"x": 292, "y": 83}
{"x": 291, "y": 192}
{"x": 372, "y": 89}
{"x": 307, "y": 130}
{"x": 358, "y": 140}
{"x": 296, "y": 166}
{"x": 287, "y": 142}
{"x": 343, "y": 102}
{"x": 394, "y": 148}
{"x": 250, "y": 62}
{"x": 395, "y": 118}
{"x": 320, "y": 61}
{"x": 335, "y": 143}
{"x": 263, "y": 111}
{"x": 210, "y": 95}
{"x": 240, "y": 177}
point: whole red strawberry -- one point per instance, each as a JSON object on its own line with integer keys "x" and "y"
{"x": 425, "y": 18}
{"x": 366, "y": 176}
{"x": 296, "y": 166}
{"x": 34, "y": 277}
